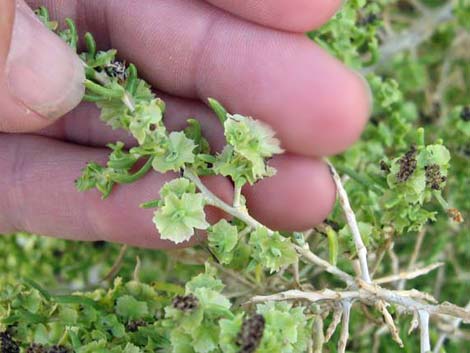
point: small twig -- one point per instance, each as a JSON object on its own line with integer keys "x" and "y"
{"x": 439, "y": 282}
{"x": 381, "y": 306}
{"x": 414, "y": 323}
{"x": 309, "y": 256}
{"x": 352, "y": 223}
{"x": 379, "y": 333}
{"x": 215, "y": 201}
{"x": 336, "y": 319}
{"x": 394, "y": 259}
{"x": 314, "y": 297}
{"x": 135, "y": 274}
{"x": 425, "y": 341}
{"x": 117, "y": 264}
{"x": 235, "y": 275}
{"x": 410, "y": 301}
{"x": 408, "y": 275}
{"x": 344, "y": 335}
{"x": 295, "y": 270}
{"x": 414, "y": 256}
{"x": 318, "y": 339}
{"x": 443, "y": 336}
{"x": 237, "y": 195}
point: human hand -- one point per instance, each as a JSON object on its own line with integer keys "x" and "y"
{"x": 252, "y": 57}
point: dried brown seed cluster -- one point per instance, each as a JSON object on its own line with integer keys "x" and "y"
{"x": 117, "y": 69}
{"x": 185, "y": 303}
{"x": 8, "y": 344}
{"x": 251, "y": 334}
{"x": 434, "y": 178}
{"x": 133, "y": 326}
{"x": 407, "y": 165}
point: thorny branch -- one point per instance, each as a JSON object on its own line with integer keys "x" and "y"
{"x": 363, "y": 289}
{"x": 359, "y": 289}
{"x": 455, "y": 325}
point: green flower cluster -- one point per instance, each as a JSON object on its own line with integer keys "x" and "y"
{"x": 126, "y": 102}
{"x": 181, "y": 210}
{"x": 250, "y": 144}
{"x": 270, "y": 251}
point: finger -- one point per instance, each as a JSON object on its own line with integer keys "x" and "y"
{"x": 40, "y": 76}
{"x": 39, "y": 196}
{"x": 317, "y": 105}
{"x": 299, "y": 196}
{"x": 297, "y": 16}
{"x": 83, "y": 126}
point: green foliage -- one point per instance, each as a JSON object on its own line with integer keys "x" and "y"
{"x": 177, "y": 218}
{"x": 223, "y": 239}
{"x": 272, "y": 251}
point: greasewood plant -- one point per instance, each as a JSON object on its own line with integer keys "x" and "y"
{"x": 259, "y": 289}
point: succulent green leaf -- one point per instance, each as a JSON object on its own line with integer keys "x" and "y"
{"x": 130, "y": 308}
{"x": 144, "y": 119}
{"x": 286, "y": 330}
{"x": 272, "y": 251}
{"x": 252, "y": 139}
{"x": 178, "y": 217}
{"x": 223, "y": 238}
{"x": 178, "y": 153}
{"x": 177, "y": 187}
{"x": 97, "y": 176}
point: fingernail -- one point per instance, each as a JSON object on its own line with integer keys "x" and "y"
{"x": 42, "y": 71}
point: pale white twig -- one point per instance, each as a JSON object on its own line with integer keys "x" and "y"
{"x": 443, "y": 336}
{"x": 414, "y": 323}
{"x": 425, "y": 342}
{"x": 336, "y": 319}
{"x": 344, "y": 335}
{"x": 309, "y": 256}
{"x": 314, "y": 297}
{"x": 352, "y": 223}
{"x": 381, "y": 306}
{"x": 237, "y": 195}
{"x": 408, "y": 275}
{"x": 213, "y": 200}
{"x": 410, "y": 301}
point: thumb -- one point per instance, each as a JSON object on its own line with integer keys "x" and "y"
{"x": 41, "y": 78}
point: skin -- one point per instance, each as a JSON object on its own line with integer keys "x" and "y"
{"x": 250, "y": 56}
